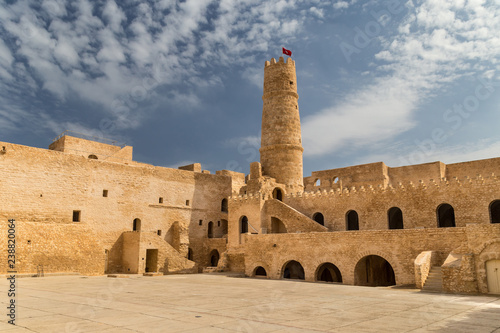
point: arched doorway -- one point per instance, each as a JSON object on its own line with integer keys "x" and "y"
{"x": 328, "y": 272}
{"x": 374, "y": 271}
{"x": 210, "y": 229}
{"x": 214, "y": 258}
{"x": 352, "y": 220}
{"x": 495, "y": 211}
{"x": 244, "y": 225}
{"x": 293, "y": 270}
{"x": 278, "y": 194}
{"x": 136, "y": 225}
{"x": 318, "y": 217}
{"x": 446, "y": 216}
{"x": 223, "y": 205}
{"x": 395, "y": 217}
{"x": 277, "y": 227}
{"x": 260, "y": 271}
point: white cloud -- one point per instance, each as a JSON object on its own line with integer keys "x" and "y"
{"x": 436, "y": 46}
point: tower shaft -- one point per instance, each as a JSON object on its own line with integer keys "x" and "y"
{"x": 281, "y": 142}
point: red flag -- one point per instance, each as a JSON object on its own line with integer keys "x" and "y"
{"x": 287, "y": 52}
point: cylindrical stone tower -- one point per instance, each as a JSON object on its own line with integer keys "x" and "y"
{"x": 281, "y": 142}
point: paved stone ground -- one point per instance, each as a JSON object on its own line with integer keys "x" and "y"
{"x": 219, "y": 303}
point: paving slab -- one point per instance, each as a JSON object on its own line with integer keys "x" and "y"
{"x": 221, "y": 303}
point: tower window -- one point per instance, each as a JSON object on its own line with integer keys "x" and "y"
{"x": 76, "y": 215}
{"x": 160, "y": 200}
{"x": 105, "y": 193}
{"x": 158, "y": 232}
{"x": 187, "y": 202}
{"x": 201, "y": 222}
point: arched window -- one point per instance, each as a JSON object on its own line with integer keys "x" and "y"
{"x": 92, "y": 157}
{"x": 210, "y": 229}
{"x": 318, "y": 217}
{"x": 446, "y": 216}
{"x": 495, "y": 211}
{"x": 278, "y": 194}
{"x": 137, "y": 225}
{"x": 223, "y": 205}
{"x": 244, "y": 225}
{"x": 395, "y": 217}
{"x": 352, "y": 220}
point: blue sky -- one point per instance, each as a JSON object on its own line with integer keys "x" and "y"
{"x": 404, "y": 82}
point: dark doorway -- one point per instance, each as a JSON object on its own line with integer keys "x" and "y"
{"x": 260, "y": 271}
{"x": 374, "y": 271}
{"x": 328, "y": 272}
{"x": 151, "y": 260}
{"x": 190, "y": 254}
{"x": 495, "y": 211}
{"x": 293, "y": 270}
{"x": 278, "y": 194}
{"x": 244, "y": 225}
{"x": 214, "y": 258}
{"x": 352, "y": 220}
{"x": 395, "y": 217}
{"x": 318, "y": 217}
{"x": 210, "y": 229}
{"x": 137, "y": 225}
{"x": 446, "y": 216}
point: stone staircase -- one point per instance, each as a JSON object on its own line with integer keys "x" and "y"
{"x": 434, "y": 280}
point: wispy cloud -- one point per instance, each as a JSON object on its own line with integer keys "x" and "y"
{"x": 435, "y": 44}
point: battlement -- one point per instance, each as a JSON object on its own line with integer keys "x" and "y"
{"x": 430, "y": 184}
{"x": 281, "y": 60}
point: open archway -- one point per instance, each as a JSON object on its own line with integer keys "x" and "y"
{"x": 446, "y": 216}
{"x": 395, "y": 218}
{"x": 352, "y": 220}
{"x": 328, "y": 272}
{"x": 318, "y": 217}
{"x": 277, "y": 226}
{"x": 293, "y": 270}
{"x": 278, "y": 194}
{"x": 260, "y": 271}
{"x": 214, "y": 258}
{"x": 374, "y": 271}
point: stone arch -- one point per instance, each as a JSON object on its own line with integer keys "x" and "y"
{"x": 92, "y": 157}
{"x": 278, "y": 194}
{"x": 328, "y": 272}
{"x": 224, "y": 206}
{"x": 445, "y": 216}
{"x": 292, "y": 269}
{"x": 214, "y": 258}
{"x": 488, "y": 251}
{"x": 259, "y": 271}
{"x": 395, "y": 218}
{"x": 277, "y": 226}
{"x": 374, "y": 270}
{"x": 352, "y": 220}
{"x": 136, "y": 226}
{"x": 318, "y": 217}
{"x": 494, "y": 209}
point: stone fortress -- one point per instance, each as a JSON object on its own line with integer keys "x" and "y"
{"x": 87, "y": 207}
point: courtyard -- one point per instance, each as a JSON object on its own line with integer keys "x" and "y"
{"x": 228, "y": 303}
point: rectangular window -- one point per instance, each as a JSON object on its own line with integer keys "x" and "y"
{"x": 76, "y": 215}
{"x": 218, "y": 223}
{"x": 187, "y": 202}
{"x": 159, "y": 232}
{"x": 105, "y": 193}
{"x": 201, "y": 222}
{"x": 160, "y": 200}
